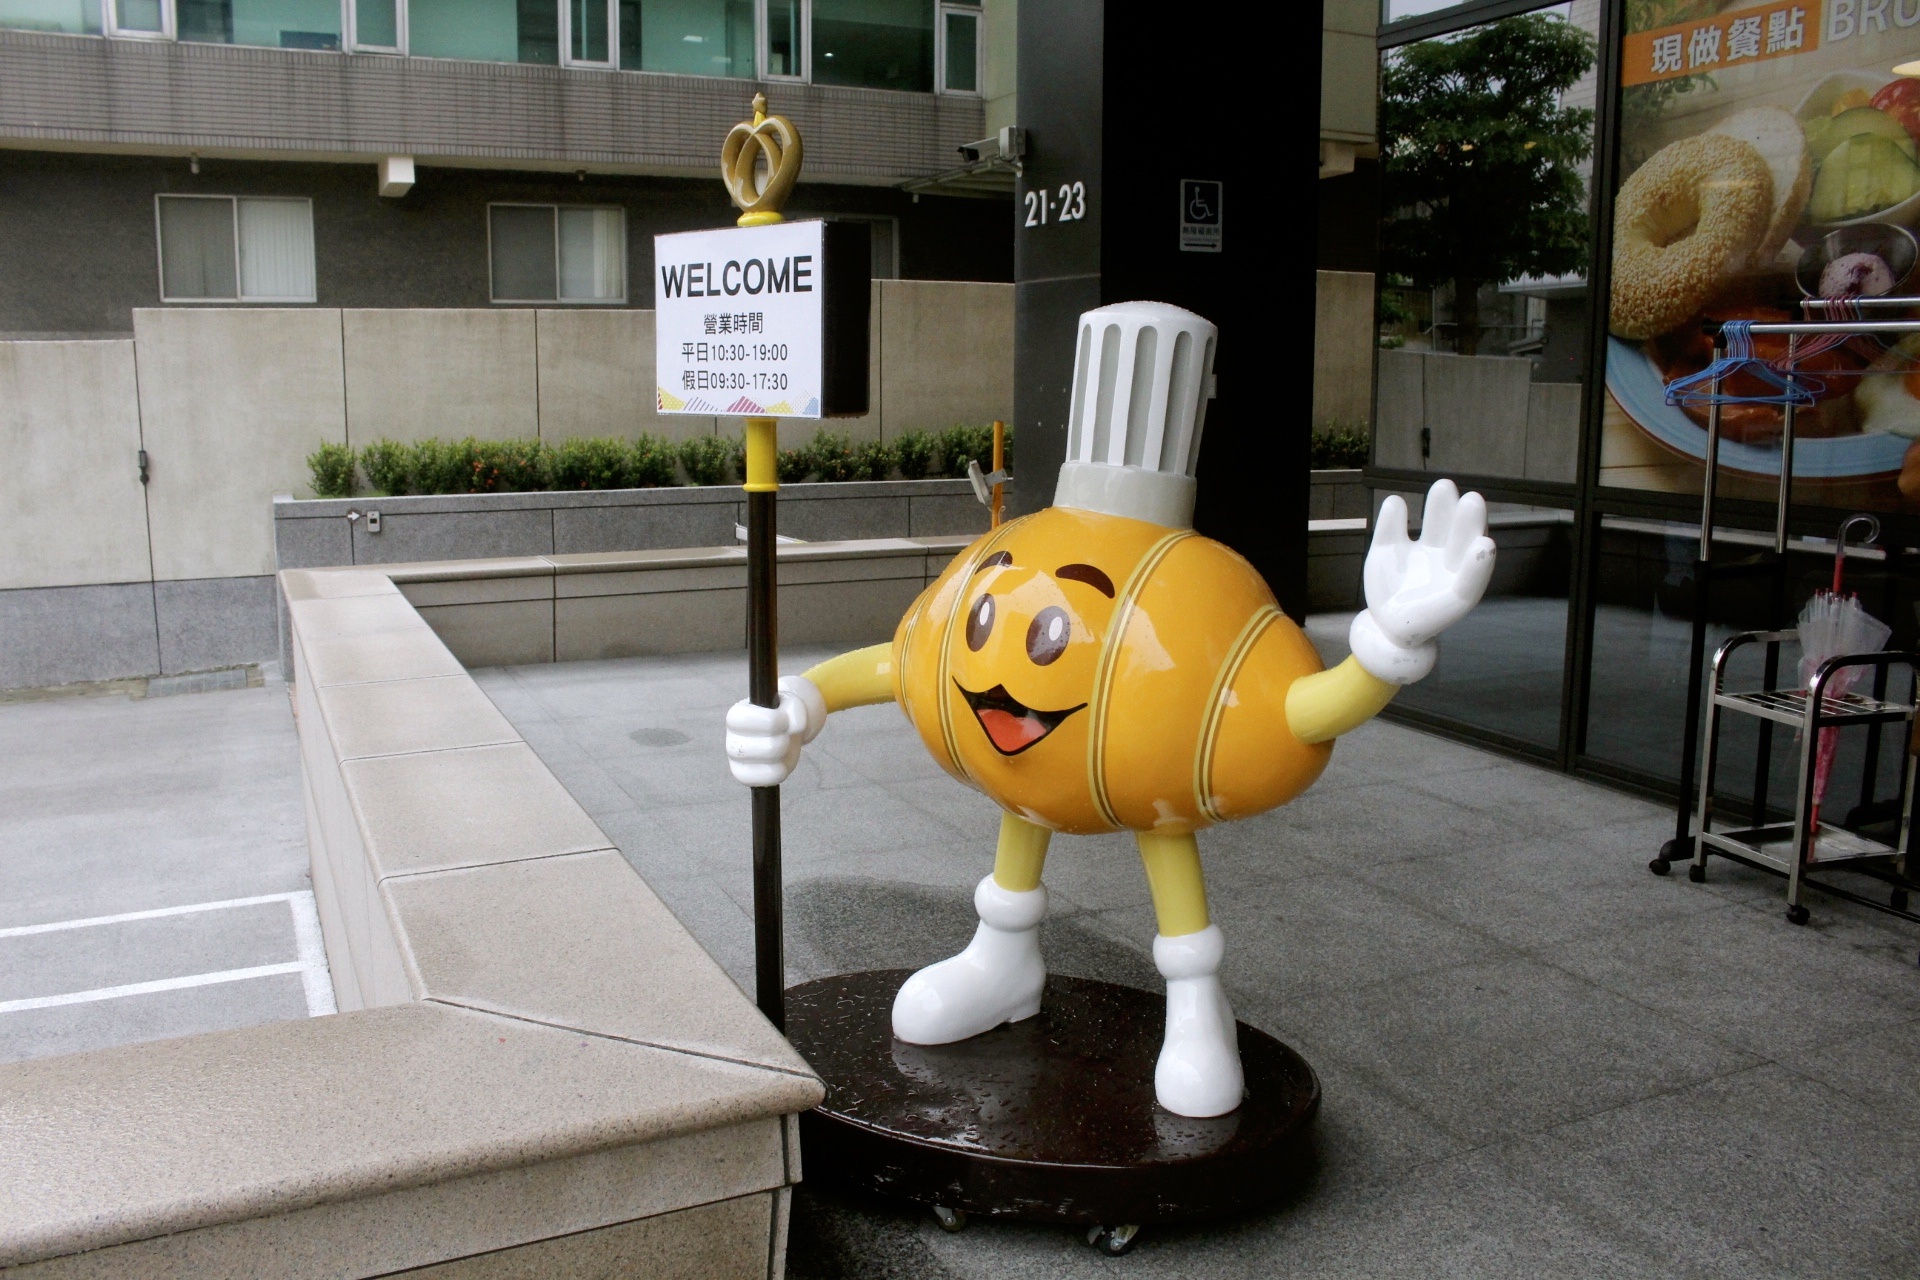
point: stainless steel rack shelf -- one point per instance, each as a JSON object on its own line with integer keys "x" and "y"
{"x": 1805, "y": 845}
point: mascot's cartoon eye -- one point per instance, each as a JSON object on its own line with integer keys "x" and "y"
{"x": 980, "y": 623}
{"x": 1047, "y": 637}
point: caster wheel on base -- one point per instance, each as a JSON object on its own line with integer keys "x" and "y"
{"x": 1797, "y": 914}
{"x": 1697, "y": 873}
{"x": 1659, "y": 866}
{"x": 1113, "y": 1241}
{"x": 950, "y": 1219}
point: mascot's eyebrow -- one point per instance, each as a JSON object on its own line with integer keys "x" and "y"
{"x": 997, "y": 559}
{"x": 1088, "y": 574}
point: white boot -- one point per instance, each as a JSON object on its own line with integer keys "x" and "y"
{"x": 996, "y": 979}
{"x": 1199, "y": 1069}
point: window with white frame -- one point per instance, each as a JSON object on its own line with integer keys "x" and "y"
{"x": 235, "y": 248}
{"x": 557, "y": 253}
{"x": 783, "y": 28}
{"x": 151, "y": 19}
{"x": 377, "y": 26}
{"x": 587, "y": 32}
{"x": 959, "y": 55}
{"x": 912, "y": 45}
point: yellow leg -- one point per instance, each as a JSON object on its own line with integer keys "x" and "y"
{"x": 1022, "y": 854}
{"x": 1179, "y": 888}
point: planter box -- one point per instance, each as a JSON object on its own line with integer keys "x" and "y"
{"x": 325, "y": 533}
{"x": 1339, "y": 495}
{"x": 334, "y": 532}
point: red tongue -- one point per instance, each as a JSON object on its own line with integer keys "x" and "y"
{"x": 1010, "y": 732}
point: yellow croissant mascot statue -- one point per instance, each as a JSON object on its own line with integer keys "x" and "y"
{"x": 1098, "y": 665}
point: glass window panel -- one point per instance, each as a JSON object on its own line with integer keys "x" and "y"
{"x": 1484, "y": 242}
{"x": 276, "y": 250}
{"x": 1394, "y": 10}
{"x": 275, "y": 24}
{"x": 74, "y": 17}
{"x": 196, "y": 248}
{"x": 523, "y": 253}
{"x": 593, "y": 255}
{"x": 963, "y": 52}
{"x": 876, "y": 44}
{"x": 783, "y": 37}
{"x": 485, "y": 30}
{"x": 691, "y": 37}
{"x": 139, "y": 15}
{"x": 376, "y": 24}
{"x": 1501, "y": 667}
{"x": 1643, "y": 610}
{"x": 588, "y": 22}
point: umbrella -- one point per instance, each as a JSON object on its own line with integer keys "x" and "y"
{"x": 1834, "y": 623}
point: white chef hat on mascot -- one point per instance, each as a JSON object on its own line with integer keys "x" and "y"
{"x": 1142, "y": 376}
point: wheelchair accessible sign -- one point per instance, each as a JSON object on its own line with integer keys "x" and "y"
{"x": 1199, "y": 216}
{"x": 738, "y": 318}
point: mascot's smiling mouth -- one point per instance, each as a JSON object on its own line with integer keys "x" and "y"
{"x": 1011, "y": 725}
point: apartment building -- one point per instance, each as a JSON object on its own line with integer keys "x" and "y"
{"x": 464, "y": 153}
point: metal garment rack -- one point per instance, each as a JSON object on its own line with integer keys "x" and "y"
{"x": 1785, "y": 849}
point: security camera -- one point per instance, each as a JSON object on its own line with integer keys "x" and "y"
{"x": 1009, "y": 144}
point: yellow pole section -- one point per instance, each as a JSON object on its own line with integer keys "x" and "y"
{"x": 763, "y": 455}
{"x": 999, "y": 461}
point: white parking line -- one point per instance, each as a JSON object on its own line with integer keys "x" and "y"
{"x": 308, "y": 944}
{"x": 148, "y": 988}
{"x": 23, "y": 930}
{"x": 313, "y": 955}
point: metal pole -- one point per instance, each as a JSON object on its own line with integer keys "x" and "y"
{"x": 1681, "y": 846}
{"x": 999, "y": 462}
{"x": 1777, "y": 605}
{"x": 763, "y": 677}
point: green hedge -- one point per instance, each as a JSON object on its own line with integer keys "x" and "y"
{"x": 522, "y": 466}
{"x": 1339, "y": 448}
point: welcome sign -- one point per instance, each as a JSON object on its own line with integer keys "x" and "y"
{"x": 754, "y": 320}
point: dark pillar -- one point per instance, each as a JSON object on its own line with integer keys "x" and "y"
{"x": 1129, "y": 99}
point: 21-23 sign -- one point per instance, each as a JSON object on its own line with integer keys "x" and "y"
{"x": 1068, "y": 204}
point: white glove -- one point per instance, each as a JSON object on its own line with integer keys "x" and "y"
{"x": 763, "y": 743}
{"x": 1416, "y": 590}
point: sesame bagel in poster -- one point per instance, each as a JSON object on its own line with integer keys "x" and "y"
{"x": 1769, "y": 153}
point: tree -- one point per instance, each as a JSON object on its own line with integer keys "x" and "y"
{"x": 1480, "y": 164}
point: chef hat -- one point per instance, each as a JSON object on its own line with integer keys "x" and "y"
{"x": 1142, "y": 376}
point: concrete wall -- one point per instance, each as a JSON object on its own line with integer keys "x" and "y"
{"x": 1343, "y": 346}
{"x": 511, "y": 611}
{"x": 181, "y": 97}
{"x": 1349, "y": 70}
{"x": 1486, "y": 415}
{"x": 81, "y": 252}
{"x": 102, "y": 580}
{"x": 70, "y": 484}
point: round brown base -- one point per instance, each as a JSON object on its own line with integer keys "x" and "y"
{"x": 1051, "y": 1120}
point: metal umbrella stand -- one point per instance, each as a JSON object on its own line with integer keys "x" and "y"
{"x": 1694, "y": 837}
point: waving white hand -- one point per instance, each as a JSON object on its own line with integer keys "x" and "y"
{"x": 1416, "y": 590}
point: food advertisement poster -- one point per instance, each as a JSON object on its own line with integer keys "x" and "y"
{"x": 1769, "y": 153}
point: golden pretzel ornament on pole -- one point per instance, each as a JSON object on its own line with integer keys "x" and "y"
{"x": 769, "y": 139}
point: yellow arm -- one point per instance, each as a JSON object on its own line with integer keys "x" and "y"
{"x": 856, "y": 679}
{"x": 1327, "y": 704}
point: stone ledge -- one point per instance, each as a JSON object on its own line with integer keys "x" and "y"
{"x": 531, "y": 1046}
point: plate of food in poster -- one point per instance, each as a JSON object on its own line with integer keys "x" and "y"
{"x": 1750, "y": 188}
